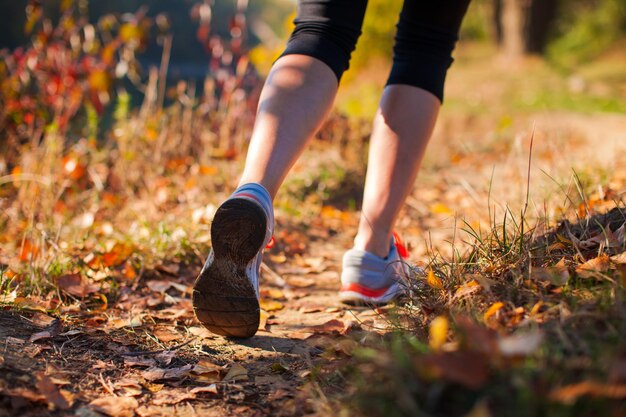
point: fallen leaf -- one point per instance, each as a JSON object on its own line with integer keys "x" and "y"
{"x": 466, "y": 289}
{"x": 117, "y": 254}
{"x": 115, "y": 406}
{"x": 162, "y": 286}
{"x": 208, "y": 371}
{"x": 120, "y": 323}
{"x": 300, "y": 282}
{"x": 236, "y": 373}
{"x": 211, "y": 389}
{"x": 434, "y": 281}
{"x": 331, "y": 326}
{"x": 128, "y": 387}
{"x": 438, "y": 333}
{"x": 166, "y": 334}
{"x": 495, "y": 307}
{"x": 77, "y": 285}
{"x": 128, "y": 271}
{"x": 156, "y": 374}
{"x": 619, "y": 258}
{"x": 59, "y": 399}
{"x": 278, "y": 259}
{"x": 200, "y": 331}
{"x": 308, "y": 308}
{"x": 570, "y": 393}
{"x": 593, "y": 266}
{"x": 440, "y": 208}
{"x": 273, "y": 293}
{"x": 271, "y": 305}
{"x": 52, "y": 330}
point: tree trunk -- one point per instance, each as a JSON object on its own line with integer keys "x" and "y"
{"x": 522, "y": 26}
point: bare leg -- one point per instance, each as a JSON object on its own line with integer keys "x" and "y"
{"x": 402, "y": 128}
{"x": 295, "y": 100}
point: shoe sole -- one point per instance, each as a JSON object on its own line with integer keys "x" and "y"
{"x": 353, "y": 298}
{"x": 224, "y": 299}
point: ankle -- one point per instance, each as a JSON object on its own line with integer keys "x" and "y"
{"x": 377, "y": 246}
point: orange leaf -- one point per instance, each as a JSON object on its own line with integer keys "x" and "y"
{"x": 118, "y": 254}
{"x": 270, "y": 305}
{"x": 129, "y": 271}
{"x": 493, "y": 310}
{"x": 570, "y": 393}
{"x": 29, "y": 251}
{"x": 208, "y": 170}
{"x": 167, "y": 334}
{"x": 438, "y": 332}
{"x": 433, "y": 280}
{"x": 593, "y": 266}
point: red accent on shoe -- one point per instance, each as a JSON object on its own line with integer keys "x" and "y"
{"x": 402, "y": 250}
{"x": 247, "y": 195}
{"x": 271, "y": 243}
{"x": 364, "y": 291}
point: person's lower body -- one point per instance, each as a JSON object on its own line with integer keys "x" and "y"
{"x": 296, "y": 98}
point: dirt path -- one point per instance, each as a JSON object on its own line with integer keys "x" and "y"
{"x": 146, "y": 355}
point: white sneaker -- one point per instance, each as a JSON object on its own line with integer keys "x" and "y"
{"x": 370, "y": 279}
{"x": 226, "y": 293}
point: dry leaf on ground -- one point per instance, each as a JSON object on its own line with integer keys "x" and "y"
{"x": 156, "y": 374}
{"x": 619, "y": 258}
{"x": 593, "y": 266}
{"x": 570, "y": 393}
{"x": 115, "y": 406}
{"x": 53, "y": 329}
{"x": 438, "y": 332}
{"x": 433, "y": 280}
{"x": 271, "y": 305}
{"x": 167, "y": 334}
{"x": 77, "y": 285}
{"x": 208, "y": 371}
{"x": 236, "y": 373}
{"x": 300, "y": 282}
{"x": 60, "y": 399}
{"x": 331, "y": 326}
{"x": 492, "y": 310}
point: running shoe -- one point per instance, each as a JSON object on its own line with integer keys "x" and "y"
{"x": 226, "y": 293}
{"x": 370, "y": 279}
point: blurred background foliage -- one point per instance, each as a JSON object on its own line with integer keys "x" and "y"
{"x": 566, "y": 35}
{"x": 577, "y": 31}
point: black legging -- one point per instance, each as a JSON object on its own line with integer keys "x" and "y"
{"x": 427, "y": 32}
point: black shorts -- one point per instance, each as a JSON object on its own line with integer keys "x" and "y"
{"x": 427, "y": 32}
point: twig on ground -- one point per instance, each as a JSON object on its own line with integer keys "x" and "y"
{"x": 156, "y": 352}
